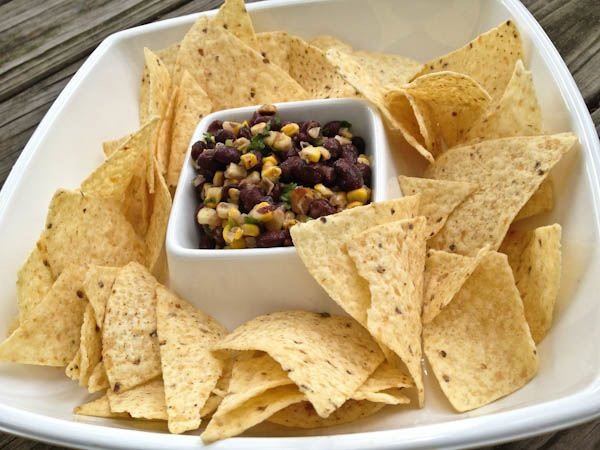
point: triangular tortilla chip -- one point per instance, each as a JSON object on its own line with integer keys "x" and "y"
{"x": 83, "y": 229}
{"x": 231, "y": 73}
{"x": 98, "y": 286}
{"x": 540, "y": 202}
{"x": 99, "y": 408}
{"x": 98, "y": 380}
{"x": 90, "y": 345}
{"x": 535, "y": 259}
{"x": 438, "y": 198}
{"x": 445, "y": 273}
{"x": 479, "y": 346}
{"x": 142, "y": 402}
{"x": 110, "y": 147}
{"x": 313, "y": 350}
{"x": 391, "y": 258}
{"x": 165, "y": 133}
{"x": 73, "y": 370}
{"x": 190, "y": 371}
{"x": 168, "y": 56}
{"x": 489, "y": 58}
{"x": 384, "y": 378}
{"x": 321, "y": 244}
{"x": 191, "y": 105}
{"x": 130, "y": 349}
{"x": 508, "y": 171}
{"x": 49, "y": 336}
{"x": 157, "y": 229}
{"x": 325, "y": 42}
{"x": 234, "y": 17}
{"x": 517, "y": 113}
{"x": 34, "y": 280}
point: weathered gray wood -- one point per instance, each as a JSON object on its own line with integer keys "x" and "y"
{"x": 43, "y": 43}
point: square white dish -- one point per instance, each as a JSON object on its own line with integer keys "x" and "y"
{"x": 100, "y": 103}
{"x": 234, "y": 286}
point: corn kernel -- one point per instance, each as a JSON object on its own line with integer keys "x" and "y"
{"x": 253, "y": 178}
{"x": 245, "y": 123}
{"x": 249, "y": 160}
{"x": 205, "y": 188}
{"x": 314, "y": 132}
{"x": 207, "y": 216}
{"x": 276, "y": 222}
{"x": 342, "y": 140}
{"x": 345, "y": 132}
{"x": 235, "y": 171}
{"x": 218, "y": 178}
{"x": 325, "y": 154}
{"x": 234, "y": 127}
{"x": 234, "y": 214}
{"x": 234, "y": 195}
{"x": 362, "y": 158}
{"x": 282, "y": 142}
{"x": 250, "y": 229}
{"x": 242, "y": 144}
{"x": 359, "y": 195}
{"x": 258, "y": 128}
{"x": 269, "y": 161}
{"x": 261, "y": 216}
{"x": 213, "y": 197}
{"x": 353, "y": 205}
{"x": 339, "y": 199}
{"x": 238, "y": 243}
{"x": 223, "y": 209}
{"x": 271, "y": 172}
{"x": 267, "y": 110}
{"x": 290, "y": 129}
{"x": 231, "y": 234}
{"x": 310, "y": 154}
{"x": 323, "y": 190}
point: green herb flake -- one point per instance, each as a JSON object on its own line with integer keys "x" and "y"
{"x": 286, "y": 195}
{"x": 207, "y": 136}
{"x": 345, "y": 124}
{"x": 251, "y": 220}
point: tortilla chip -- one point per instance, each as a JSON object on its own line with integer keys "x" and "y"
{"x": 136, "y": 204}
{"x": 191, "y": 105}
{"x": 190, "y": 371}
{"x": 327, "y": 357}
{"x": 479, "y": 346}
{"x": 12, "y": 326}
{"x": 438, "y": 198}
{"x": 321, "y": 244}
{"x": 130, "y": 347}
{"x": 110, "y": 147}
{"x": 489, "y": 58}
{"x": 391, "y": 258}
{"x": 98, "y": 380}
{"x": 165, "y": 133}
{"x": 98, "y": 286}
{"x": 90, "y": 345}
{"x": 49, "y": 336}
{"x": 157, "y": 229}
{"x": 73, "y": 370}
{"x": 219, "y": 391}
{"x": 325, "y": 42}
{"x": 508, "y": 171}
{"x": 99, "y": 408}
{"x": 112, "y": 178}
{"x": 142, "y": 402}
{"x": 377, "y": 386}
{"x": 233, "y": 17}
{"x": 231, "y": 73}
{"x": 158, "y": 82}
{"x": 34, "y": 280}
{"x": 83, "y": 229}
{"x": 445, "y": 104}
{"x": 517, "y": 113}
{"x": 306, "y": 64}
{"x": 445, "y": 273}
{"x": 168, "y": 56}
{"x": 535, "y": 259}
{"x": 540, "y": 202}
{"x": 252, "y": 412}
{"x": 303, "y": 415}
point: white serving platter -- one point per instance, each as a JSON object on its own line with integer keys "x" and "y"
{"x": 100, "y": 103}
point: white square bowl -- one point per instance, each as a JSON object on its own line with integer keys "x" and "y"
{"x": 100, "y": 103}
{"x": 235, "y": 286}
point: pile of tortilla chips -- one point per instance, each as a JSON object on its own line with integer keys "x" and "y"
{"x": 440, "y": 272}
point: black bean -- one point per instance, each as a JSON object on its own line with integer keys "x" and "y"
{"x": 205, "y": 241}
{"x": 245, "y": 133}
{"x": 249, "y": 196}
{"x": 349, "y": 152}
{"x": 226, "y": 155}
{"x": 217, "y": 235}
{"x": 348, "y": 175}
{"x": 259, "y": 118}
{"x": 308, "y": 174}
{"x": 320, "y": 207}
{"x": 207, "y": 160}
{"x": 359, "y": 143}
{"x": 271, "y": 239}
{"x": 292, "y": 152}
{"x": 197, "y": 148}
{"x": 365, "y": 171}
{"x": 300, "y": 138}
{"x": 330, "y": 129}
{"x": 223, "y": 135}
{"x": 276, "y": 192}
{"x": 334, "y": 147}
{"x": 268, "y": 199}
{"x": 215, "y": 126}
{"x": 289, "y": 168}
{"x": 327, "y": 174}
{"x": 288, "y": 239}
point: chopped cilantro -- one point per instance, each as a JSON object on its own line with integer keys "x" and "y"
{"x": 276, "y": 121}
{"x": 208, "y": 136}
{"x": 287, "y": 193}
{"x": 232, "y": 223}
{"x": 257, "y": 141}
{"x": 345, "y": 124}
{"x": 251, "y": 220}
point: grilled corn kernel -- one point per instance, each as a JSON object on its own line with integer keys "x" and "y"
{"x": 250, "y": 229}
{"x": 205, "y": 188}
{"x": 213, "y": 197}
{"x": 290, "y": 129}
{"x": 245, "y": 123}
{"x": 276, "y": 222}
{"x": 235, "y": 215}
{"x": 261, "y": 212}
{"x": 253, "y": 178}
{"x": 231, "y": 234}
{"x": 267, "y": 110}
{"x": 207, "y": 216}
{"x": 218, "y": 178}
{"x": 345, "y": 132}
{"x": 282, "y": 142}
{"x": 310, "y": 154}
{"x": 242, "y": 144}
{"x": 342, "y": 140}
{"x": 272, "y": 173}
{"x": 364, "y": 159}
{"x": 269, "y": 161}
{"x": 353, "y": 205}
{"x": 339, "y": 199}
{"x": 323, "y": 190}
{"x": 223, "y": 209}
{"x": 289, "y": 220}
{"x": 238, "y": 243}
{"x": 258, "y": 128}
{"x": 234, "y": 127}
{"x": 249, "y": 160}
{"x": 325, "y": 155}
{"x": 234, "y": 195}
{"x": 314, "y": 132}
{"x": 235, "y": 171}
{"x": 359, "y": 195}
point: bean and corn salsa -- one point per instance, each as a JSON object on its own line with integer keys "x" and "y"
{"x": 258, "y": 178}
